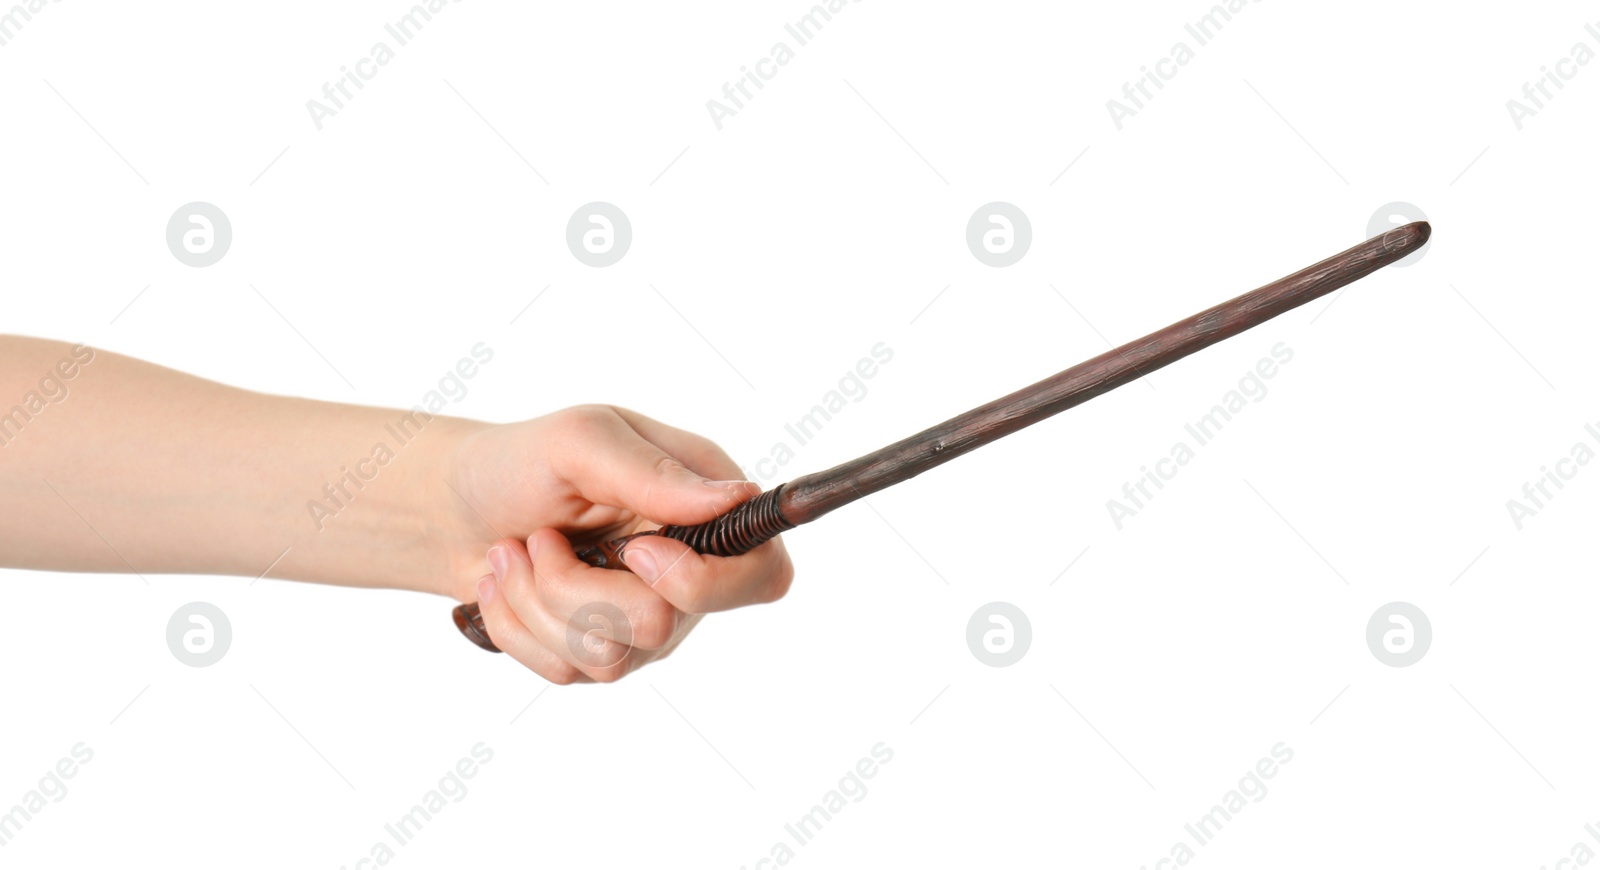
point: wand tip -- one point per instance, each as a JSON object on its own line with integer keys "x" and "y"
{"x": 1407, "y": 238}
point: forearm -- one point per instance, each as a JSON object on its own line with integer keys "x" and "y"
{"x": 131, "y": 466}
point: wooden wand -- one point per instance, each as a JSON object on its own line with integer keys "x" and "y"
{"x": 804, "y": 499}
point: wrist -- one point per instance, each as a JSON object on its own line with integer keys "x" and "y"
{"x": 458, "y": 532}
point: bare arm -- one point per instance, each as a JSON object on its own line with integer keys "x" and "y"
{"x": 126, "y": 465}
{"x": 108, "y": 463}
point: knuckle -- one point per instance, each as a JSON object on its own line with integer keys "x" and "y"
{"x": 497, "y": 619}
{"x": 544, "y": 582}
{"x": 581, "y": 419}
{"x": 610, "y": 674}
{"x": 693, "y": 597}
{"x": 667, "y": 465}
{"x": 654, "y": 623}
{"x": 590, "y": 640}
{"x": 778, "y": 579}
{"x": 777, "y": 587}
{"x": 658, "y": 485}
{"x": 520, "y": 592}
{"x": 562, "y": 674}
{"x": 609, "y": 663}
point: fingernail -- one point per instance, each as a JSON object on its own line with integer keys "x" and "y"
{"x": 732, "y": 487}
{"x": 499, "y": 559}
{"x": 642, "y": 563}
{"x": 486, "y": 587}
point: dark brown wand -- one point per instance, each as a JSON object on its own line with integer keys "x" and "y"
{"x": 804, "y": 499}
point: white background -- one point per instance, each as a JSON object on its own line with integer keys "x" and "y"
{"x": 1227, "y": 616}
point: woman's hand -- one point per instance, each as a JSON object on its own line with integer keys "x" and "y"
{"x": 587, "y": 474}
{"x": 112, "y": 464}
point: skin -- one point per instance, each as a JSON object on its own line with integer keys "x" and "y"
{"x": 132, "y": 467}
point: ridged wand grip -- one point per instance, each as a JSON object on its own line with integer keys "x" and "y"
{"x": 735, "y": 533}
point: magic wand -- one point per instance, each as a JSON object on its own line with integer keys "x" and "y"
{"x": 803, "y": 499}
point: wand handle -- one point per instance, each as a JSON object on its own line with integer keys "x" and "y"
{"x": 735, "y": 533}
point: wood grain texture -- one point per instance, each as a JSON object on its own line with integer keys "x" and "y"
{"x": 806, "y": 498}
{"x": 813, "y": 495}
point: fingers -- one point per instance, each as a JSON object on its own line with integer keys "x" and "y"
{"x": 611, "y": 463}
{"x": 513, "y": 637}
{"x": 572, "y": 622}
{"x": 569, "y": 621}
{"x": 705, "y": 584}
{"x": 699, "y": 584}
{"x": 617, "y": 604}
{"x": 594, "y": 640}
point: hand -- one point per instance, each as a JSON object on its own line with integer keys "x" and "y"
{"x": 587, "y": 474}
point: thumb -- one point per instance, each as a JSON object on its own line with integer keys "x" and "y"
{"x": 615, "y": 465}
{"x": 667, "y": 492}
